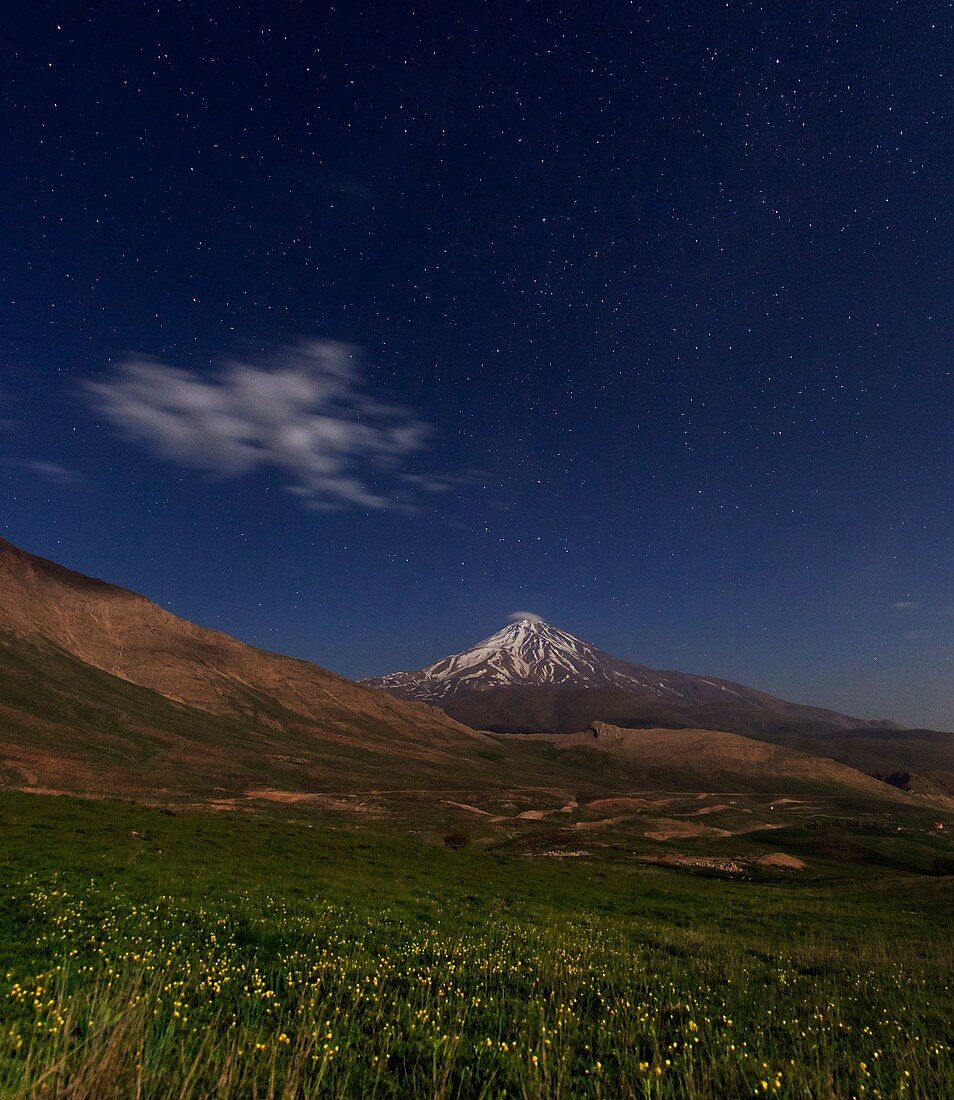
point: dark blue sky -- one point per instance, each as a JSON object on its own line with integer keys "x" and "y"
{"x": 649, "y": 309}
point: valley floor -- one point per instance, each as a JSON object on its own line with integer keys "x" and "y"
{"x": 236, "y": 955}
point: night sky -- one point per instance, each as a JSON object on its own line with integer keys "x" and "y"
{"x": 352, "y": 329}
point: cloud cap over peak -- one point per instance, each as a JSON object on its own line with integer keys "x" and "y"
{"x": 304, "y": 411}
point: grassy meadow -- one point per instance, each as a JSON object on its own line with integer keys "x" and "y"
{"x": 196, "y": 955}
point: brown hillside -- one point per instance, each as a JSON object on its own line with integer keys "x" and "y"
{"x": 128, "y": 636}
{"x": 713, "y": 759}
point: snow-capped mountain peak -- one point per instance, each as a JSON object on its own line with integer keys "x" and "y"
{"x": 489, "y": 687}
{"x": 527, "y": 652}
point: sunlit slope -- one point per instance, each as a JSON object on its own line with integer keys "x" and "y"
{"x": 51, "y": 608}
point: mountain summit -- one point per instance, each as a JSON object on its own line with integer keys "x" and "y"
{"x": 533, "y": 677}
{"x": 528, "y": 652}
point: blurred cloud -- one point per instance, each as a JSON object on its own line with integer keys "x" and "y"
{"x": 520, "y": 616}
{"x": 54, "y": 472}
{"x": 905, "y": 605}
{"x": 304, "y": 411}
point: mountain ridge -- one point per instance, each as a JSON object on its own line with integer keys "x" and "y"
{"x": 105, "y": 693}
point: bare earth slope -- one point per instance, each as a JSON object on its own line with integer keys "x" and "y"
{"x": 55, "y": 623}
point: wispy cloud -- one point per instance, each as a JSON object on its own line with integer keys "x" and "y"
{"x": 304, "y": 412}
{"x": 906, "y": 605}
{"x": 54, "y": 472}
{"x": 520, "y": 616}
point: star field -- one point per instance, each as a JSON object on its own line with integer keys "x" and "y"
{"x": 649, "y": 316}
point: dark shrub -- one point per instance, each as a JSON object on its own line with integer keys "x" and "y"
{"x": 898, "y": 779}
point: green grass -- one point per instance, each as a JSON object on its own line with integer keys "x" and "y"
{"x": 143, "y": 954}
